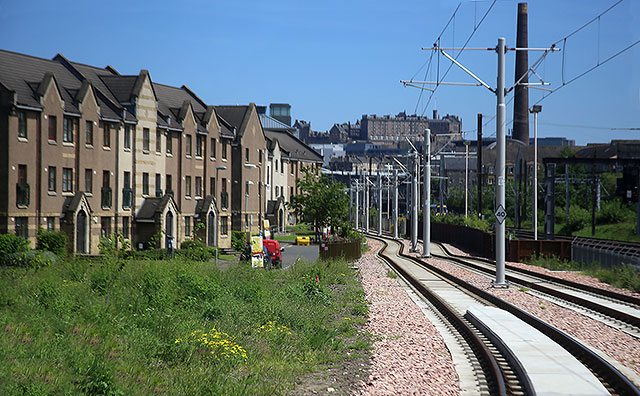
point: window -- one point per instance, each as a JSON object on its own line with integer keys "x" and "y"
{"x": 22, "y": 174}
{"x": 187, "y": 186}
{"x": 22, "y": 124}
{"x": 53, "y": 128}
{"x": 88, "y": 181}
{"x": 246, "y": 188}
{"x": 125, "y": 227}
{"x": 145, "y": 183}
{"x": 276, "y": 161}
{"x": 224, "y": 149}
{"x": 52, "y": 179}
{"x": 187, "y": 226}
{"x": 88, "y": 133}
{"x": 213, "y": 148}
{"x": 106, "y": 179}
{"x": 188, "y": 146}
{"x": 127, "y": 194}
{"x": 145, "y": 140}
{"x": 260, "y": 156}
{"x": 22, "y": 227}
{"x": 158, "y": 185}
{"x": 290, "y": 193}
{"x": 67, "y": 180}
{"x": 281, "y": 166}
{"x": 212, "y": 186}
{"x": 105, "y": 227}
{"x": 167, "y": 184}
{"x": 246, "y": 155}
{"x": 158, "y": 142}
{"x": 268, "y": 175}
{"x": 224, "y": 228}
{"x": 106, "y": 141}
{"x": 199, "y": 145}
{"x": 51, "y": 223}
{"x": 198, "y": 186}
{"x": 291, "y": 167}
{"x": 169, "y": 143}
{"x": 127, "y": 179}
{"x": 68, "y": 126}
{"x": 127, "y": 137}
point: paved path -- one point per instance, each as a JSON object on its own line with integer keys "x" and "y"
{"x": 292, "y": 252}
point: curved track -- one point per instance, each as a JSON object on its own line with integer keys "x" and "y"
{"x": 615, "y": 381}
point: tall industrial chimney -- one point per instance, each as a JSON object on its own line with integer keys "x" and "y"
{"x": 521, "y": 100}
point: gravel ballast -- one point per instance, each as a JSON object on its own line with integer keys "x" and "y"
{"x": 409, "y": 354}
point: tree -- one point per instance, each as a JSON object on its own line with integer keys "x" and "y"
{"x": 321, "y": 201}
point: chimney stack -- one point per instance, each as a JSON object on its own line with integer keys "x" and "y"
{"x": 521, "y": 99}
{"x": 435, "y": 114}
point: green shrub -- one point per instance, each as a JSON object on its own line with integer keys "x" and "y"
{"x": 52, "y": 241}
{"x": 238, "y": 240}
{"x": 578, "y": 219}
{"x": 197, "y": 253}
{"x": 192, "y": 244}
{"x": 151, "y": 254}
{"x": 29, "y": 259}
{"x": 10, "y": 244}
{"x": 613, "y": 212}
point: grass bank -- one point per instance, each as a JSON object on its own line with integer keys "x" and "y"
{"x": 623, "y": 276}
{"x": 178, "y": 327}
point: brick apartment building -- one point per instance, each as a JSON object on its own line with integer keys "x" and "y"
{"x": 88, "y": 151}
{"x": 393, "y": 129}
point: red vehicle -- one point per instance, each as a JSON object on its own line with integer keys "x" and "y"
{"x": 275, "y": 251}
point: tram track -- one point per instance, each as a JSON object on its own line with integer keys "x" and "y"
{"x": 613, "y": 380}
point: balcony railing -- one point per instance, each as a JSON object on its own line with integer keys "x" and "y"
{"x": 158, "y": 193}
{"x": 106, "y": 197}
{"x": 22, "y": 194}
{"x": 224, "y": 200}
{"x": 127, "y": 197}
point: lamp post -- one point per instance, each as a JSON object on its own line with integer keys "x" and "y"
{"x": 218, "y": 169}
{"x": 535, "y": 110}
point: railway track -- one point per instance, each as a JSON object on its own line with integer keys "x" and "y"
{"x": 615, "y": 309}
{"x": 611, "y": 378}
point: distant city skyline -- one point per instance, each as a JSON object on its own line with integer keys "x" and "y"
{"x": 335, "y": 61}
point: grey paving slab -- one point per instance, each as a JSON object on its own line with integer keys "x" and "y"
{"x": 550, "y": 368}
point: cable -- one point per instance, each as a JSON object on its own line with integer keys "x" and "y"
{"x": 588, "y": 23}
{"x": 564, "y": 84}
{"x": 591, "y": 127}
{"x": 475, "y": 29}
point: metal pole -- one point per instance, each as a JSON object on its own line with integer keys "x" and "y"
{"x": 466, "y": 178}
{"x": 379, "y": 203}
{"x": 395, "y": 204}
{"x": 566, "y": 192}
{"x": 500, "y": 163}
{"x": 357, "y": 206}
{"x": 366, "y": 204}
{"x": 479, "y": 165}
{"x": 414, "y": 204}
{"x": 426, "y": 211}
{"x": 535, "y": 176}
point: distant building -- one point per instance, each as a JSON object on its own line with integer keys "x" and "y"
{"x": 281, "y": 112}
{"x": 389, "y": 129}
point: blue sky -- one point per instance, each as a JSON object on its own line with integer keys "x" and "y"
{"x": 336, "y": 60}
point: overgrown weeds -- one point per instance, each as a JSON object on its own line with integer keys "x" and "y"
{"x": 242, "y": 330}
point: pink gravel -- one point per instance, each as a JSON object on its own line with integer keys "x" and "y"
{"x": 614, "y": 343}
{"x": 410, "y": 356}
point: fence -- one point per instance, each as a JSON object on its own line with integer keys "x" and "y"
{"x": 606, "y": 253}
{"x": 348, "y": 250}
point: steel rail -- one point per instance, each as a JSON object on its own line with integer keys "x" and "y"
{"x": 493, "y": 374}
{"x": 591, "y": 289}
{"x": 607, "y": 373}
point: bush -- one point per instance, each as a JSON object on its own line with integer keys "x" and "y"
{"x": 578, "y": 219}
{"x": 238, "y": 241}
{"x": 613, "y": 212}
{"x": 11, "y": 243}
{"x": 192, "y": 244}
{"x": 52, "y": 241}
{"x": 151, "y": 254}
{"x": 29, "y": 259}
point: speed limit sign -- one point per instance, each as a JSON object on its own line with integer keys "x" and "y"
{"x": 501, "y": 214}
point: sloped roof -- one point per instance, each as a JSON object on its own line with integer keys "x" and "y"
{"x": 294, "y": 146}
{"x": 233, "y": 115}
{"x": 151, "y": 206}
{"x": 120, "y": 86}
{"x": 270, "y": 123}
{"x": 24, "y": 74}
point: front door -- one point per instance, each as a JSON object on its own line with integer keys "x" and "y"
{"x": 81, "y": 232}
{"x": 211, "y": 229}
{"x": 168, "y": 229}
